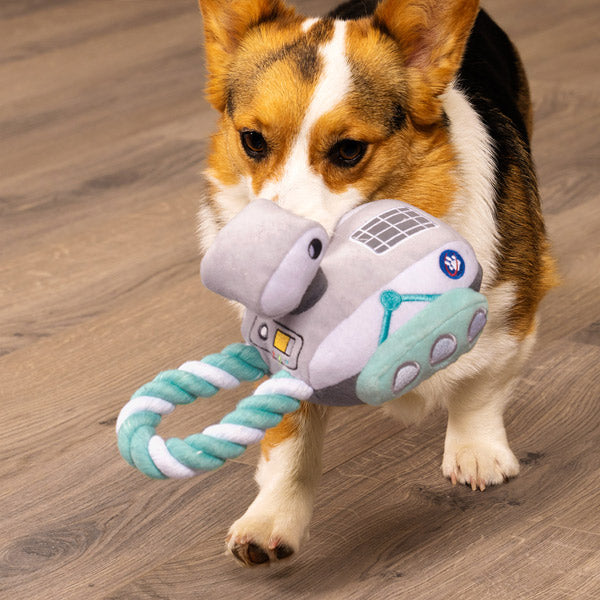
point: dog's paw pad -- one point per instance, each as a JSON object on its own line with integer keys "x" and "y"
{"x": 259, "y": 541}
{"x": 251, "y": 554}
{"x": 283, "y": 551}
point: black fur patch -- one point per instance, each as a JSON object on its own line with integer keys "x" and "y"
{"x": 398, "y": 118}
{"x": 354, "y": 9}
{"x": 304, "y": 55}
{"x": 303, "y": 52}
{"x": 490, "y": 70}
{"x": 268, "y": 17}
{"x": 229, "y": 102}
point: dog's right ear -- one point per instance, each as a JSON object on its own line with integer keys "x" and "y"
{"x": 226, "y": 22}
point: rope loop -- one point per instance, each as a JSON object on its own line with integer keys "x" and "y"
{"x": 142, "y": 448}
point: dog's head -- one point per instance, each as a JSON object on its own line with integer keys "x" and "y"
{"x": 320, "y": 115}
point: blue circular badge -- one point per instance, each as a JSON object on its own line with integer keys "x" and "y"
{"x": 452, "y": 264}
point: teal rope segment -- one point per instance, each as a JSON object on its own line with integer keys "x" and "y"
{"x": 191, "y": 457}
{"x": 243, "y": 365}
{"x": 136, "y": 427}
{"x": 257, "y": 419}
{"x": 128, "y": 429}
{"x": 214, "y": 446}
{"x": 275, "y": 403}
{"x": 140, "y": 454}
{"x": 163, "y": 387}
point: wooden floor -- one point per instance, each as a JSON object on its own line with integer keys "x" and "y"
{"x": 103, "y": 131}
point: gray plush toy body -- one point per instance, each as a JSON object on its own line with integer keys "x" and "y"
{"x": 364, "y": 316}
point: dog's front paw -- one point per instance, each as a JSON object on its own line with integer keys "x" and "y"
{"x": 479, "y": 463}
{"x": 255, "y": 540}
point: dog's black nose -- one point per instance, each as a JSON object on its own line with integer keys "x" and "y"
{"x": 314, "y": 249}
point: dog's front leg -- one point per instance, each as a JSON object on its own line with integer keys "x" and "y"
{"x": 288, "y": 474}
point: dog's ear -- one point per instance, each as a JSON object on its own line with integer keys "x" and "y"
{"x": 226, "y": 22}
{"x": 432, "y": 36}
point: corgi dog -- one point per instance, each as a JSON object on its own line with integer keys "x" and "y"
{"x": 424, "y": 101}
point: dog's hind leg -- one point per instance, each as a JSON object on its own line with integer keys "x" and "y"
{"x": 288, "y": 474}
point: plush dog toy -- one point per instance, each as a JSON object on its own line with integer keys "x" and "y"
{"x": 361, "y": 317}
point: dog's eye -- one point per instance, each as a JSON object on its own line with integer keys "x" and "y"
{"x": 254, "y": 144}
{"x": 347, "y": 153}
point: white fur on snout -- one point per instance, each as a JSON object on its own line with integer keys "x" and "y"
{"x": 300, "y": 188}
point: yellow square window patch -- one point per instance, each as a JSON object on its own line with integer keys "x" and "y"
{"x": 282, "y": 342}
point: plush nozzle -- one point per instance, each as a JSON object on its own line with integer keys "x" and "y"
{"x": 265, "y": 258}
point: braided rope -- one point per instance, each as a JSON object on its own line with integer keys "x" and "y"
{"x": 142, "y": 448}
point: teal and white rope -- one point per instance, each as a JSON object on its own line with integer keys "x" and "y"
{"x": 142, "y": 448}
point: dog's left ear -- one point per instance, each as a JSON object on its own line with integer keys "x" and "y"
{"x": 226, "y": 22}
{"x": 432, "y": 35}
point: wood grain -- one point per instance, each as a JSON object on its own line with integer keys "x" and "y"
{"x": 103, "y": 130}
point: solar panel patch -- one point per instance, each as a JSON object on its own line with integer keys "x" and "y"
{"x": 383, "y": 232}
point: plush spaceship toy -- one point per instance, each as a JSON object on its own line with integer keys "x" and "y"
{"x": 362, "y": 316}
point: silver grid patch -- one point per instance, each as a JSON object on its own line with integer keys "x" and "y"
{"x": 393, "y": 226}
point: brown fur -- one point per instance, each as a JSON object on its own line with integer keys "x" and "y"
{"x": 288, "y": 428}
